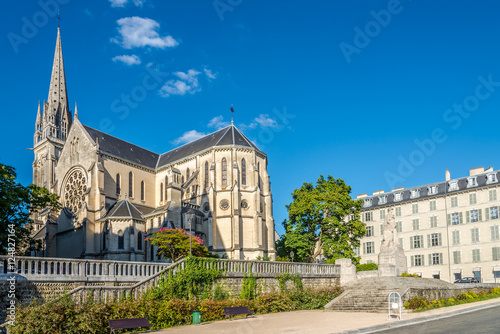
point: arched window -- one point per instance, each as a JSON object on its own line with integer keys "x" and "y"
{"x": 142, "y": 191}
{"x": 206, "y": 174}
{"x": 121, "y": 240}
{"x": 130, "y": 184}
{"x": 258, "y": 174}
{"x": 152, "y": 253}
{"x": 118, "y": 181}
{"x": 187, "y": 174}
{"x": 139, "y": 241}
{"x": 182, "y": 179}
{"x": 104, "y": 240}
{"x": 166, "y": 185}
{"x": 161, "y": 192}
{"x": 224, "y": 172}
{"x": 243, "y": 172}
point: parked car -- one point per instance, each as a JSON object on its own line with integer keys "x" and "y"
{"x": 467, "y": 280}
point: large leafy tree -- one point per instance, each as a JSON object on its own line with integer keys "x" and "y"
{"x": 323, "y": 219}
{"x": 173, "y": 243}
{"x": 17, "y": 204}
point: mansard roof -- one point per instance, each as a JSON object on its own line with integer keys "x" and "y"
{"x": 227, "y": 136}
{"x": 423, "y": 192}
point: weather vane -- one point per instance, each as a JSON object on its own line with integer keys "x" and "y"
{"x": 232, "y": 112}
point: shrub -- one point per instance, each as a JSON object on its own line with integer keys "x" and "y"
{"x": 366, "y": 267}
{"x": 416, "y": 303}
{"x": 409, "y": 275}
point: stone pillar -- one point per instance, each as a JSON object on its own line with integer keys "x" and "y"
{"x": 347, "y": 271}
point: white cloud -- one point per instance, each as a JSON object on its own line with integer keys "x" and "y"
{"x": 122, "y": 3}
{"x": 188, "y": 136}
{"x": 129, "y": 60}
{"x": 209, "y": 73}
{"x": 217, "y": 122}
{"x": 140, "y": 32}
{"x": 187, "y": 83}
{"x": 266, "y": 122}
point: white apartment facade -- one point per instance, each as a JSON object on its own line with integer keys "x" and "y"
{"x": 448, "y": 229}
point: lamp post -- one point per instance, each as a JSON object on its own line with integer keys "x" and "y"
{"x": 292, "y": 254}
{"x": 190, "y": 215}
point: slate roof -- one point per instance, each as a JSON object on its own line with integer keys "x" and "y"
{"x": 123, "y": 149}
{"x": 124, "y": 209}
{"x": 229, "y": 135}
{"x": 462, "y": 184}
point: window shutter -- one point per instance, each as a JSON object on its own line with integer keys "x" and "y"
{"x": 461, "y": 217}
{"x": 411, "y": 241}
{"x": 448, "y": 218}
{"x": 440, "y": 258}
{"x": 492, "y": 232}
{"x": 428, "y": 240}
{"x": 467, "y": 216}
{"x": 487, "y": 213}
{"x": 422, "y": 259}
{"x": 430, "y": 259}
{"x": 439, "y": 239}
{"x": 412, "y": 260}
{"x": 480, "y": 214}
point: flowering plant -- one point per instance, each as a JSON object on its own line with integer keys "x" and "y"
{"x": 173, "y": 243}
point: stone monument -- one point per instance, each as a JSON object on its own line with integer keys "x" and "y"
{"x": 391, "y": 259}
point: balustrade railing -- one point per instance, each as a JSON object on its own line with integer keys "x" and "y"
{"x": 63, "y": 269}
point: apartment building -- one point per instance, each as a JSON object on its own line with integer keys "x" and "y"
{"x": 448, "y": 229}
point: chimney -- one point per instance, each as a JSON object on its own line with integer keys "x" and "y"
{"x": 362, "y": 195}
{"x": 476, "y": 171}
{"x": 447, "y": 175}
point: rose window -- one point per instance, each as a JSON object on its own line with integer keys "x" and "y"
{"x": 74, "y": 191}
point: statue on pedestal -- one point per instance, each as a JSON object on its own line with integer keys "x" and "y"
{"x": 391, "y": 259}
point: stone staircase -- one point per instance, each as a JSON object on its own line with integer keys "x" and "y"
{"x": 362, "y": 300}
{"x": 372, "y": 294}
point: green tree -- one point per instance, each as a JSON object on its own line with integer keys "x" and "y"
{"x": 323, "y": 218}
{"x": 17, "y": 203}
{"x": 173, "y": 243}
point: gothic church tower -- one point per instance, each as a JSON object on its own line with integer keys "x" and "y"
{"x": 51, "y": 127}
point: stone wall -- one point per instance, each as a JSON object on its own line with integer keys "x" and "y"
{"x": 233, "y": 285}
{"x": 435, "y": 294}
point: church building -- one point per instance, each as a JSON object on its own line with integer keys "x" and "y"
{"x": 116, "y": 194}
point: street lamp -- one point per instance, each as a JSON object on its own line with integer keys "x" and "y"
{"x": 190, "y": 215}
{"x": 292, "y": 254}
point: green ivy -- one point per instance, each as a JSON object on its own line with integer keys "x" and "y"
{"x": 249, "y": 287}
{"x": 195, "y": 280}
{"x": 283, "y": 278}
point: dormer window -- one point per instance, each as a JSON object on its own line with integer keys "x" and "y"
{"x": 382, "y": 200}
{"x": 398, "y": 196}
{"x": 432, "y": 190}
{"x": 453, "y": 185}
{"x": 471, "y": 181}
{"x": 491, "y": 178}
{"x": 367, "y": 202}
{"x": 415, "y": 193}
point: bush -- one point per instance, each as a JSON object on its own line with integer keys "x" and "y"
{"x": 366, "y": 267}
{"x": 416, "y": 303}
{"x": 409, "y": 275}
{"x": 65, "y": 316}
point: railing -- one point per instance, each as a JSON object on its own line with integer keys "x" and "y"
{"x": 272, "y": 269}
{"x": 63, "y": 269}
{"x": 113, "y": 293}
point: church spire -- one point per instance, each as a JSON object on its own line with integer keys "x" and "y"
{"x": 57, "y": 90}
{"x": 56, "y": 111}
{"x": 76, "y": 111}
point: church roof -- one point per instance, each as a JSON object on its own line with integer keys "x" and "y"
{"x": 123, "y": 149}
{"x": 124, "y": 209}
{"x": 227, "y": 136}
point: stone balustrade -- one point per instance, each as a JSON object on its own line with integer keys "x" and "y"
{"x": 272, "y": 269}
{"x": 78, "y": 270}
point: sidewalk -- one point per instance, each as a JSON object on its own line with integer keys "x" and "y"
{"x": 317, "y": 321}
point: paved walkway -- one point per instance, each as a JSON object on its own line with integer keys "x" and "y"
{"x": 317, "y": 321}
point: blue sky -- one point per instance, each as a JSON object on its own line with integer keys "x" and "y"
{"x": 379, "y": 93}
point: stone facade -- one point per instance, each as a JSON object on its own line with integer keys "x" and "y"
{"x": 115, "y": 194}
{"x": 448, "y": 229}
